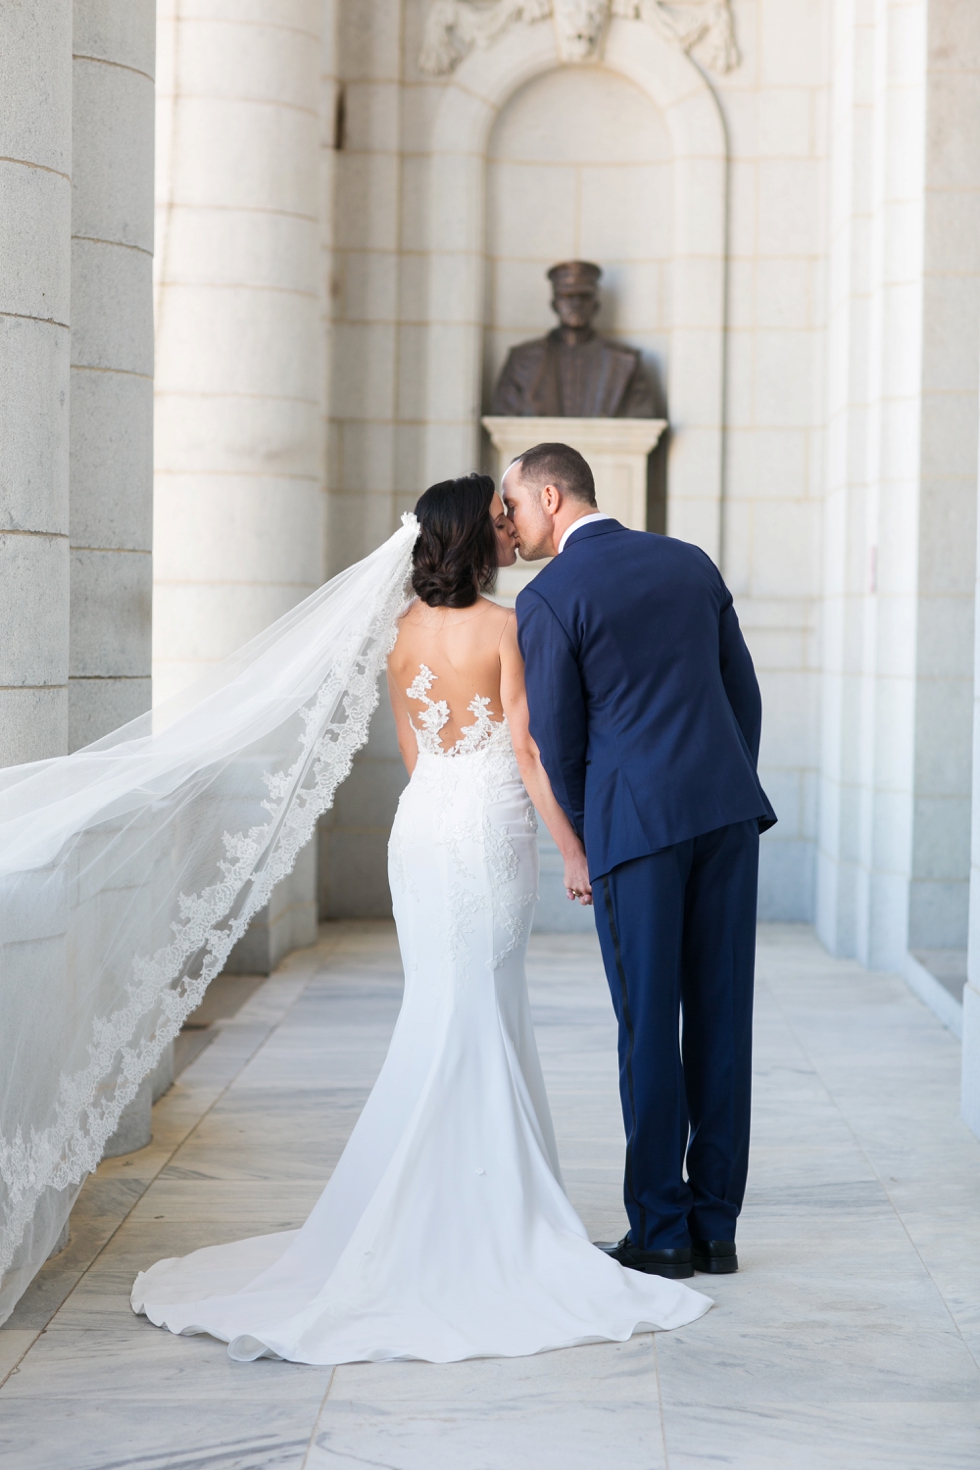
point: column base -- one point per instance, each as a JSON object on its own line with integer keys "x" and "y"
{"x": 287, "y": 922}
{"x": 135, "y": 1124}
{"x": 971, "y": 1058}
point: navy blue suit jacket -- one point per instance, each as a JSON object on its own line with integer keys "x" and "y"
{"x": 642, "y": 695}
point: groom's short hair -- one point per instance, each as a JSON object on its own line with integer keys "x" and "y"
{"x": 561, "y": 465}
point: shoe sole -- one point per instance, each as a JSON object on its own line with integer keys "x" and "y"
{"x": 673, "y": 1273}
{"x": 716, "y": 1265}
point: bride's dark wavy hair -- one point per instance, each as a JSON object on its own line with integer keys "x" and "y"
{"x": 455, "y": 556}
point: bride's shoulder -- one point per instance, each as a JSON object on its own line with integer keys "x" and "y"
{"x": 498, "y": 618}
{"x": 496, "y": 610}
{"x": 411, "y": 622}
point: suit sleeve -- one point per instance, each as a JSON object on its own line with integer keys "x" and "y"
{"x": 738, "y": 675}
{"x": 558, "y": 715}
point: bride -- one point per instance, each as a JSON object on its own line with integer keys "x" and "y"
{"x": 445, "y": 1231}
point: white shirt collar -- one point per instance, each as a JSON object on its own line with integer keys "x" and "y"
{"x": 596, "y": 515}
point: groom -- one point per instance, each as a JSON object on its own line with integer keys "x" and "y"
{"x": 645, "y": 706}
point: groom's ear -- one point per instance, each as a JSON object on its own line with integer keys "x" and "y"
{"x": 551, "y": 499}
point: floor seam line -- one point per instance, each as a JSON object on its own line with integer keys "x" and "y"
{"x": 14, "y": 1366}
{"x": 660, "y": 1402}
{"x": 319, "y": 1416}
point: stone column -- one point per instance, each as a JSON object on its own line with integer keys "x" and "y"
{"x": 377, "y": 383}
{"x": 238, "y": 517}
{"x": 35, "y": 230}
{"x": 950, "y": 381}
{"x": 112, "y": 396}
{"x": 112, "y": 365}
{"x": 901, "y": 492}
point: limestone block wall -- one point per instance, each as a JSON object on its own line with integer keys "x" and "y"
{"x": 440, "y": 251}
{"x": 597, "y": 188}
{"x": 112, "y": 365}
{"x": 35, "y": 231}
{"x": 463, "y": 110}
{"x": 375, "y": 283}
{"x": 774, "y": 108}
{"x": 378, "y": 306}
{"x": 842, "y": 451}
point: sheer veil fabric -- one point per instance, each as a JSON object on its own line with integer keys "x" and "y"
{"x": 129, "y": 869}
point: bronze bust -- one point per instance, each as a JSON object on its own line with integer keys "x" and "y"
{"x": 573, "y": 372}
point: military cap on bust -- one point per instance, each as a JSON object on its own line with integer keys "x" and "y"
{"x": 574, "y": 273}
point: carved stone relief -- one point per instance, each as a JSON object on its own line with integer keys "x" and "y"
{"x": 454, "y": 27}
{"x": 579, "y": 27}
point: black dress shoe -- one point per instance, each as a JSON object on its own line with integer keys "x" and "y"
{"x": 715, "y": 1256}
{"x": 676, "y": 1264}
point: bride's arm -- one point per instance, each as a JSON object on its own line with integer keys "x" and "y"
{"x": 407, "y": 743}
{"x": 514, "y": 700}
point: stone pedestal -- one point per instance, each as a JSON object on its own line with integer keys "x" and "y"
{"x": 617, "y": 450}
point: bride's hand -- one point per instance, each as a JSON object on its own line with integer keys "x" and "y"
{"x": 577, "y": 884}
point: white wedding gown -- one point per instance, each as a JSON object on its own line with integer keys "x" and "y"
{"x": 444, "y": 1231}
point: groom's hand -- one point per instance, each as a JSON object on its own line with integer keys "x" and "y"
{"x": 577, "y": 884}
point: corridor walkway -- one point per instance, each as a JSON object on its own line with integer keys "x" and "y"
{"x": 850, "y": 1339}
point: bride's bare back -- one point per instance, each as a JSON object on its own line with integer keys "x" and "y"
{"x": 456, "y": 682}
{"x": 463, "y": 649}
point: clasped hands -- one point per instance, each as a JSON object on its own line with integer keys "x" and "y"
{"x": 577, "y": 885}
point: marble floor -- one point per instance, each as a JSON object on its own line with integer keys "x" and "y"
{"x": 850, "y": 1338}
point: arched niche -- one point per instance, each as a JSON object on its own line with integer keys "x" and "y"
{"x": 597, "y": 187}
{"x": 693, "y": 315}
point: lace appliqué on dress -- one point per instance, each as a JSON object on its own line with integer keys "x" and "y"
{"x": 435, "y": 717}
{"x": 476, "y": 844}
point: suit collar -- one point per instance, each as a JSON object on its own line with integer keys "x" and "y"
{"x": 597, "y": 528}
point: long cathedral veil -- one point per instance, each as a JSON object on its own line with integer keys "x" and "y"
{"x": 129, "y": 869}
